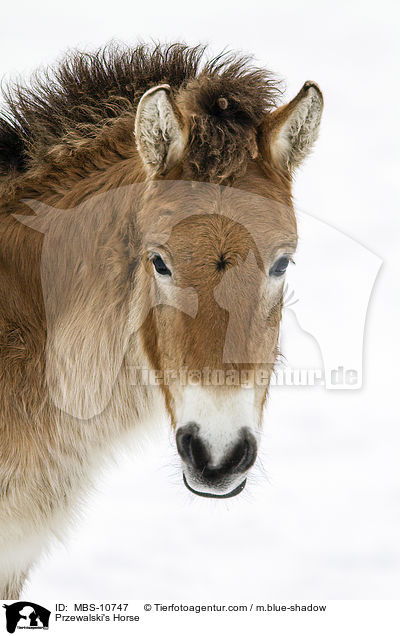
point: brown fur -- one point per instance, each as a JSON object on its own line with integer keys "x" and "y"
{"x": 67, "y": 141}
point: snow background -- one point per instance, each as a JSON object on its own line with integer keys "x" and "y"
{"x": 320, "y": 517}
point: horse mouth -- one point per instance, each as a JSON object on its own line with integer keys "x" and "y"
{"x": 212, "y": 495}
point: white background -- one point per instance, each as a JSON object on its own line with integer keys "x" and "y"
{"x": 320, "y": 518}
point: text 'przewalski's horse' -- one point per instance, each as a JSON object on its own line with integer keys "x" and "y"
{"x": 146, "y": 223}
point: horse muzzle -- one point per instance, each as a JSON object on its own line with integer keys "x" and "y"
{"x": 206, "y": 476}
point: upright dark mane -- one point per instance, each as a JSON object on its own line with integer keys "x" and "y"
{"x": 227, "y": 98}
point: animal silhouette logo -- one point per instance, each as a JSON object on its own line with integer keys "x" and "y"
{"x": 26, "y": 615}
{"x": 332, "y": 281}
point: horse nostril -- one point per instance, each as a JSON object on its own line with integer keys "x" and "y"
{"x": 183, "y": 444}
{"x": 244, "y": 453}
{"x": 191, "y": 448}
{"x": 199, "y": 454}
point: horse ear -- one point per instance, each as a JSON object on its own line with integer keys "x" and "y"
{"x": 159, "y": 130}
{"x": 289, "y": 132}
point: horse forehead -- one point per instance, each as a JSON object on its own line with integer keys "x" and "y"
{"x": 215, "y": 232}
{"x": 203, "y": 195}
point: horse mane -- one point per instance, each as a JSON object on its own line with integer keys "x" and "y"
{"x": 227, "y": 98}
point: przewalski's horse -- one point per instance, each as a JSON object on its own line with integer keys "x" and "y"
{"x": 161, "y": 229}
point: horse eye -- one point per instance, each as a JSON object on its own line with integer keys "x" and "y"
{"x": 280, "y": 266}
{"x": 160, "y": 266}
